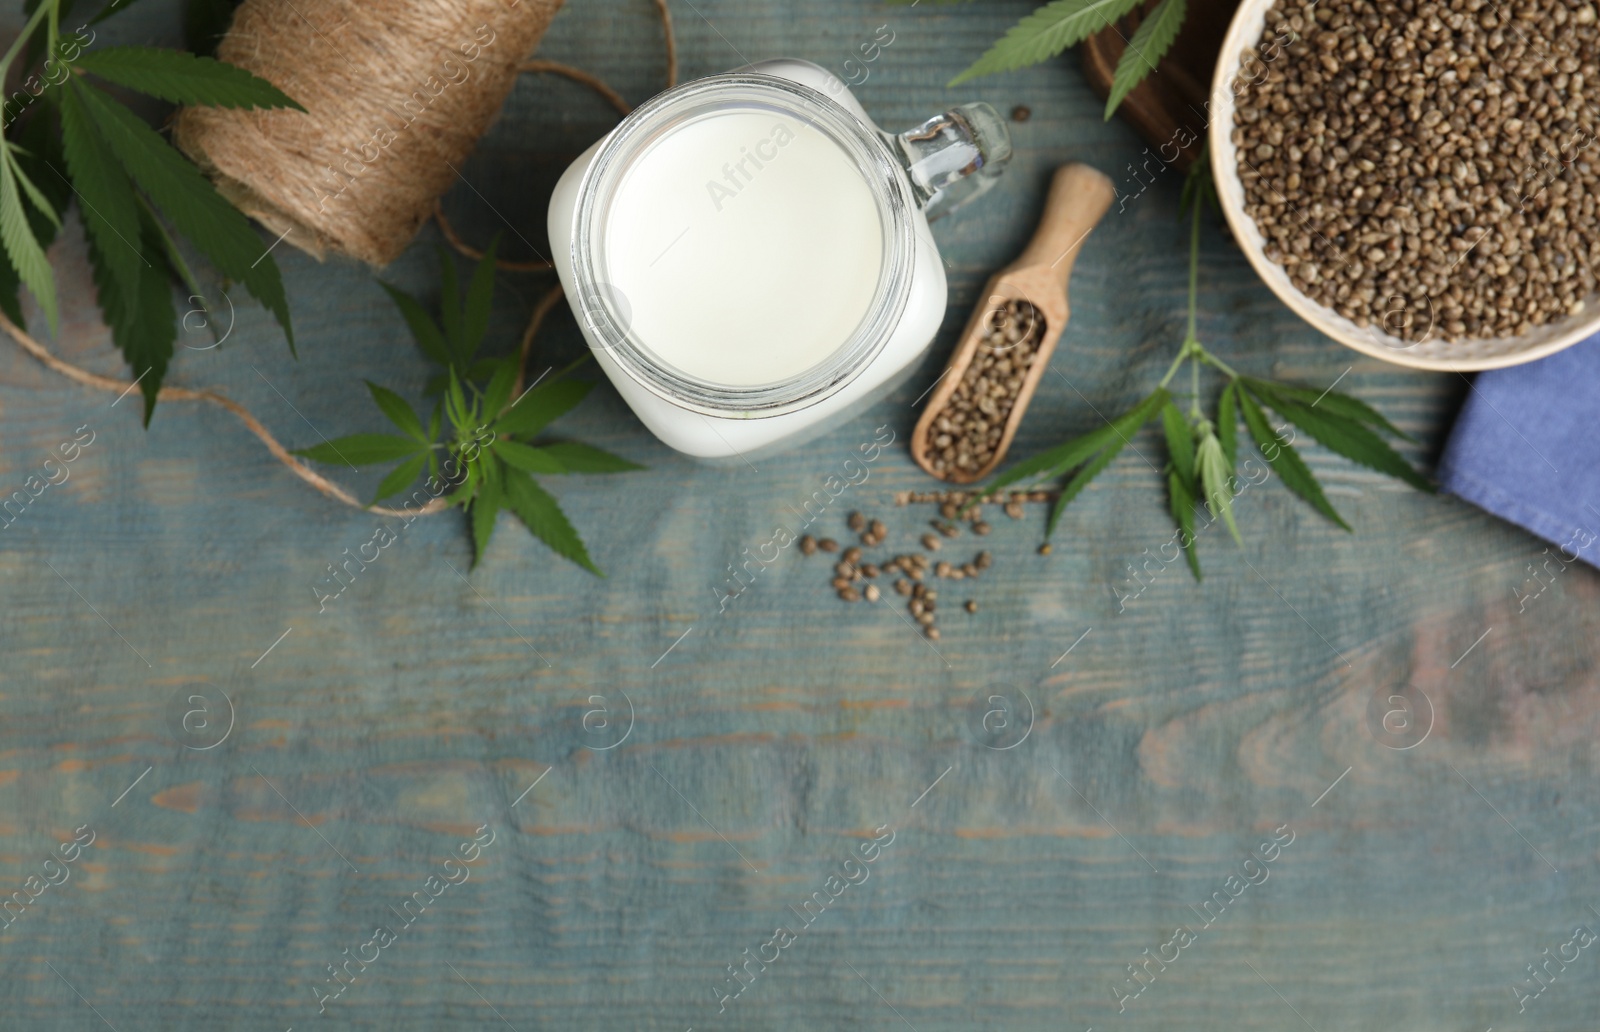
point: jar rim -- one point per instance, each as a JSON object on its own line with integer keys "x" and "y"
{"x": 606, "y": 312}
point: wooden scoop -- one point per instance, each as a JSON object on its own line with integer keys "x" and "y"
{"x": 1079, "y": 196}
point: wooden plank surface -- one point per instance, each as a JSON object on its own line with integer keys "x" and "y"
{"x": 1172, "y": 734}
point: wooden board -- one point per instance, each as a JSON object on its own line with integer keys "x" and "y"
{"x": 1170, "y": 107}
{"x": 1172, "y": 731}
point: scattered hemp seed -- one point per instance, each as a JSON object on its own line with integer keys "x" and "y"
{"x": 856, "y": 573}
{"x": 1021, "y": 113}
{"x": 1044, "y": 549}
{"x": 960, "y": 498}
{"x": 1014, "y": 510}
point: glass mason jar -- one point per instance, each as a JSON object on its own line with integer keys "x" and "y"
{"x": 770, "y": 318}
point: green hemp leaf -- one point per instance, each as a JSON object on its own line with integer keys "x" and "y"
{"x": 488, "y": 456}
{"x": 1202, "y": 454}
{"x": 1057, "y": 25}
{"x": 71, "y": 137}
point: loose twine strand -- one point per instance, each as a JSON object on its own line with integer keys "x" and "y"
{"x": 172, "y": 392}
{"x": 595, "y": 83}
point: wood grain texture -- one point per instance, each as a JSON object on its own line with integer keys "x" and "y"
{"x": 774, "y": 737}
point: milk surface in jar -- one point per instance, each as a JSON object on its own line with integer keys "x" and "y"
{"x": 748, "y": 255}
{"x": 746, "y": 245}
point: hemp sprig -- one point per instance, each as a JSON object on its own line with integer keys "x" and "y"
{"x": 72, "y": 138}
{"x": 1202, "y": 452}
{"x": 489, "y": 452}
{"x": 1062, "y": 23}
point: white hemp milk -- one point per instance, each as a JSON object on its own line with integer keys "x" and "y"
{"x": 747, "y": 245}
{"x": 748, "y": 255}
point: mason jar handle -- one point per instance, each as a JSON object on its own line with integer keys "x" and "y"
{"x": 954, "y": 157}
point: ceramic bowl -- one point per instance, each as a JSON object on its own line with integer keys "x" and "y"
{"x": 1432, "y": 352}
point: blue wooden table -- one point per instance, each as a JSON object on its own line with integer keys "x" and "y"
{"x": 1089, "y": 804}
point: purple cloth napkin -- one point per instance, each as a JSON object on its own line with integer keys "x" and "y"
{"x": 1526, "y": 447}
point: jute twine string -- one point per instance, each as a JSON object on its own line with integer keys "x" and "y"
{"x": 599, "y": 86}
{"x": 397, "y": 93}
{"x": 172, "y": 392}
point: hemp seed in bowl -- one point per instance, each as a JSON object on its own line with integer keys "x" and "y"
{"x": 1425, "y": 167}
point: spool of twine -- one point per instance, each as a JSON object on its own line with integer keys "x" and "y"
{"x": 397, "y": 93}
